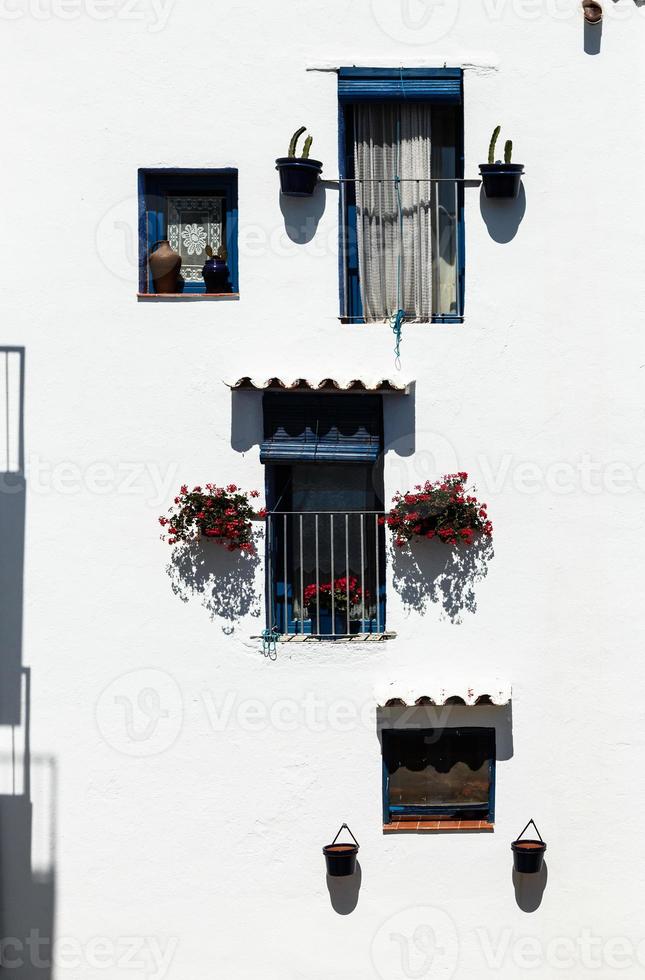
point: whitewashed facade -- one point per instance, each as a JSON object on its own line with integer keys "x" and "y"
{"x": 180, "y": 783}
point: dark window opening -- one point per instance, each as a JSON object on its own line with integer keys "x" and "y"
{"x": 446, "y": 773}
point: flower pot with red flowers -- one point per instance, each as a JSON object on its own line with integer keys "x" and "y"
{"x": 444, "y": 510}
{"x": 220, "y": 514}
{"x": 328, "y": 604}
{"x": 528, "y": 854}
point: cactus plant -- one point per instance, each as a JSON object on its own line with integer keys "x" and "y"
{"x": 492, "y": 144}
{"x": 508, "y": 151}
{"x": 294, "y": 143}
{"x": 307, "y": 147}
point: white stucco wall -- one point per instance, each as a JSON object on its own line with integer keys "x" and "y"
{"x": 202, "y": 838}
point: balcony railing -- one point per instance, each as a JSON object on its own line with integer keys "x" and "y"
{"x": 326, "y": 573}
{"x": 409, "y": 232}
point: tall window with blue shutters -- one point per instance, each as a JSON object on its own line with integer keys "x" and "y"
{"x": 401, "y": 167}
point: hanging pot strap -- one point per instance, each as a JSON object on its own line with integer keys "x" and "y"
{"x": 345, "y": 827}
{"x": 531, "y": 821}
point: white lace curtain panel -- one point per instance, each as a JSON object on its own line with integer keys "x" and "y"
{"x": 394, "y": 251}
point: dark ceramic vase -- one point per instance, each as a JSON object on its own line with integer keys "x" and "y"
{"x": 165, "y": 264}
{"x": 215, "y": 273}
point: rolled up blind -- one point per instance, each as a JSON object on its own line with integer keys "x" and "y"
{"x": 441, "y": 85}
{"x": 322, "y": 428}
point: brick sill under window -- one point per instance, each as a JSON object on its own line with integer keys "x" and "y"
{"x": 187, "y": 297}
{"x": 438, "y": 826}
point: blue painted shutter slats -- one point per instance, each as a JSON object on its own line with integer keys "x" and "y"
{"x": 327, "y": 428}
{"x": 439, "y": 85}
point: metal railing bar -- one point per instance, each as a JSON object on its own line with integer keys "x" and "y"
{"x": 269, "y": 540}
{"x": 362, "y": 573}
{"x": 317, "y": 580}
{"x": 378, "y": 596}
{"x": 302, "y": 580}
{"x": 286, "y": 605}
{"x": 333, "y": 597}
{"x": 347, "y": 567}
{"x": 290, "y": 513}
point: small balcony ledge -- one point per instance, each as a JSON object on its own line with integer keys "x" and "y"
{"x": 328, "y": 638}
{"x": 187, "y": 297}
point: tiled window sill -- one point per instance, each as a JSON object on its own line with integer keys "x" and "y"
{"x": 187, "y": 297}
{"x": 312, "y": 638}
{"x": 441, "y": 826}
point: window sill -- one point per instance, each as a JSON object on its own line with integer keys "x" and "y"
{"x": 354, "y": 638}
{"x": 187, "y": 297}
{"x": 438, "y": 826}
{"x": 438, "y": 320}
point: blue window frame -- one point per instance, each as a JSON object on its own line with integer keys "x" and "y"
{"x": 168, "y": 196}
{"x": 324, "y": 491}
{"x": 443, "y": 90}
{"x": 441, "y": 773}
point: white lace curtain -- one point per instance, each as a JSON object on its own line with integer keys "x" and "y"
{"x": 394, "y": 250}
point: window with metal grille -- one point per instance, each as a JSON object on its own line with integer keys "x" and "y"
{"x": 325, "y": 542}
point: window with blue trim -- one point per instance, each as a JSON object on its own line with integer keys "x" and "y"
{"x": 402, "y": 219}
{"x": 439, "y": 774}
{"x": 324, "y": 489}
{"x": 190, "y": 214}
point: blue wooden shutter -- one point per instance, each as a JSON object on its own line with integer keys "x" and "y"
{"x": 322, "y": 428}
{"x": 439, "y": 85}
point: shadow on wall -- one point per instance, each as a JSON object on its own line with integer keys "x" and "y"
{"x": 247, "y": 420}
{"x": 452, "y": 715}
{"x": 27, "y": 865}
{"x": 224, "y": 581}
{"x": 247, "y": 423}
{"x": 593, "y": 38}
{"x": 12, "y": 529}
{"x": 430, "y": 572}
{"x": 503, "y": 217}
{"x": 529, "y": 889}
{"x": 302, "y": 214}
{"x": 343, "y": 892}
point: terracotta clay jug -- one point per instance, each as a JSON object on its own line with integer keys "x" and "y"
{"x": 165, "y": 264}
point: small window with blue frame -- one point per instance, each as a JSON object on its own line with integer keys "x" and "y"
{"x": 188, "y": 233}
{"x": 325, "y": 562}
{"x": 438, "y": 774}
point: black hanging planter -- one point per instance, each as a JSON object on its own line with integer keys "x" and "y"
{"x": 528, "y": 854}
{"x": 341, "y": 858}
{"x": 298, "y": 177}
{"x": 501, "y": 180}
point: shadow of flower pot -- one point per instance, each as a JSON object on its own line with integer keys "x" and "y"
{"x": 431, "y": 572}
{"x": 224, "y": 581}
{"x": 529, "y": 889}
{"x": 343, "y": 892}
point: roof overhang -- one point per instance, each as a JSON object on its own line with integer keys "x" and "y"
{"x": 396, "y": 694}
{"x": 359, "y": 386}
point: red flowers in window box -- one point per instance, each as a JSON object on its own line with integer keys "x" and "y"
{"x": 322, "y": 594}
{"x": 218, "y": 514}
{"x": 443, "y": 510}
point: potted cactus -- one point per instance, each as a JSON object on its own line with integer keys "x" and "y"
{"x": 501, "y": 179}
{"x": 298, "y": 175}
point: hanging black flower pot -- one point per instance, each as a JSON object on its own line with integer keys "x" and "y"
{"x": 298, "y": 176}
{"x": 528, "y": 854}
{"x": 341, "y": 858}
{"x": 501, "y": 179}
